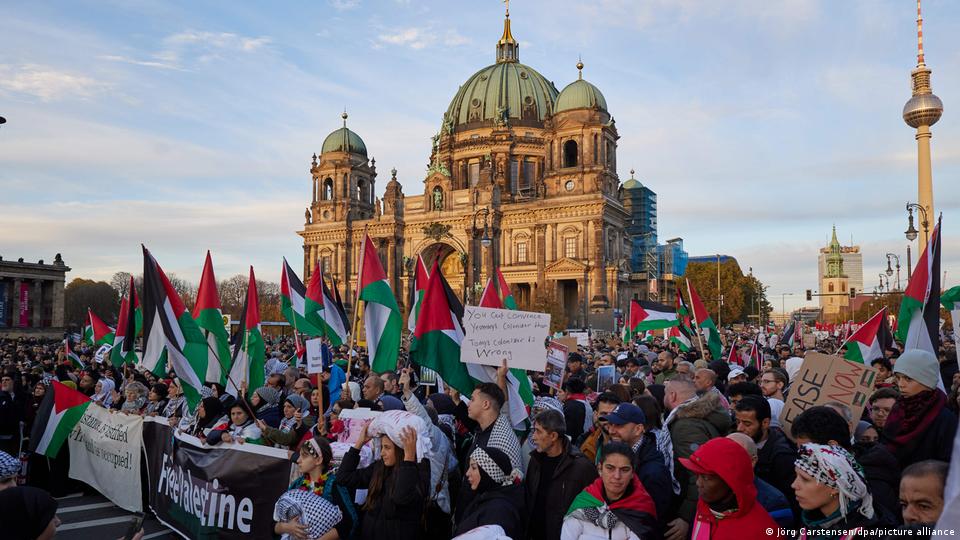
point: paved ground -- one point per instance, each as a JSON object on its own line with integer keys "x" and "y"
{"x": 93, "y": 517}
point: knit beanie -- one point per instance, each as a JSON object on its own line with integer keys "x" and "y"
{"x": 919, "y": 365}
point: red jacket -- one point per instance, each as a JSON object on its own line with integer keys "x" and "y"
{"x": 728, "y": 460}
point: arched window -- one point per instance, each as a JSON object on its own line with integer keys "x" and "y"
{"x": 596, "y": 149}
{"x": 570, "y": 153}
{"x": 362, "y": 190}
{"x": 327, "y": 190}
{"x": 830, "y": 287}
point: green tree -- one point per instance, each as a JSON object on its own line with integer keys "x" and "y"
{"x": 740, "y": 293}
{"x": 99, "y": 296}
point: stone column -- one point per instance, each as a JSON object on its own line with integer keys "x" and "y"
{"x": 36, "y": 303}
{"x": 540, "y": 244}
{"x": 56, "y": 319}
{"x": 392, "y": 266}
{"x": 599, "y": 277}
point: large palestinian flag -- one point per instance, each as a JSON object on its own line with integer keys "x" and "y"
{"x": 678, "y": 336}
{"x": 97, "y": 332}
{"x": 129, "y": 325}
{"x": 209, "y": 316}
{"x": 330, "y": 317}
{"x": 705, "y": 323}
{"x": 866, "y": 345}
{"x": 296, "y": 304}
{"x": 439, "y": 333}
{"x": 62, "y": 407}
{"x": 382, "y": 321}
{"x": 789, "y": 334}
{"x": 339, "y": 301}
{"x": 497, "y": 291}
{"x": 417, "y": 289}
{"x": 249, "y": 350}
{"x": 918, "y": 325}
{"x": 168, "y": 326}
{"x": 651, "y": 316}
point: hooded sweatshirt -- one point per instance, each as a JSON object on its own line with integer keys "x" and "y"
{"x": 728, "y": 460}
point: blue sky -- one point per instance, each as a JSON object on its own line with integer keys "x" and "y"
{"x": 189, "y": 126}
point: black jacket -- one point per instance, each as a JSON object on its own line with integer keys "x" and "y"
{"x": 883, "y": 478}
{"x": 934, "y": 443}
{"x": 775, "y": 465}
{"x": 399, "y": 513}
{"x": 502, "y": 506}
{"x": 654, "y": 475}
{"x": 574, "y": 472}
{"x": 574, "y": 412}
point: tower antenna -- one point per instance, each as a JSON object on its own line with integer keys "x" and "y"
{"x": 919, "y": 35}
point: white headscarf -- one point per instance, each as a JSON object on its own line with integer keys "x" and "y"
{"x": 834, "y": 467}
{"x": 105, "y": 396}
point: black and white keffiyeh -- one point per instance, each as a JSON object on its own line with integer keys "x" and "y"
{"x": 490, "y": 467}
{"x": 9, "y": 466}
{"x": 317, "y": 513}
{"x": 502, "y": 437}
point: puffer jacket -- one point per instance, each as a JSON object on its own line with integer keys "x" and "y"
{"x": 691, "y": 424}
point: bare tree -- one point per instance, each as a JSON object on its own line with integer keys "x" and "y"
{"x": 121, "y": 283}
{"x": 186, "y": 289}
{"x": 232, "y": 291}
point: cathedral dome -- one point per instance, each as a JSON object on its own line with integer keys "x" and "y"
{"x": 344, "y": 140}
{"x": 581, "y": 95}
{"x": 506, "y": 89}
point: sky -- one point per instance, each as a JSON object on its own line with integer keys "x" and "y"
{"x": 189, "y": 126}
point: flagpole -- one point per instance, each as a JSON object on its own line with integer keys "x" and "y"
{"x": 356, "y": 304}
{"x": 695, "y": 321}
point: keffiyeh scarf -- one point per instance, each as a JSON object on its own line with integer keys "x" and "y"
{"x": 9, "y": 466}
{"x": 546, "y": 402}
{"x": 834, "y": 467}
{"x": 489, "y": 466}
{"x": 310, "y": 509}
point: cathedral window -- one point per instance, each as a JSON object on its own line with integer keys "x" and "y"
{"x": 474, "y": 173}
{"x": 521, "y": 252}
{"x": 362, "y": 189}
{"x": 570, "y": 247}
{"x": 529, "y": 175}
{"x": 514, "y": 176}
{"x": 596, "y": 148}
{"x": 830, "y": 287}
{"x": 327, "y": 189}
{"x": 325, "y": 265}
{"x": 610, "y": 155}
{"x": 570, "y": 153}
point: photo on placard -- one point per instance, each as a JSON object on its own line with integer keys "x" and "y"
{"x": 605, "y": 377}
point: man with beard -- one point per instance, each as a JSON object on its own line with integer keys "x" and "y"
{"x": 598, "y": 435}
{"x": 775, "y": 454}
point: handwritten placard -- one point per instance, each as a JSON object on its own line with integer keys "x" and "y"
{"x": 492, "y": 335}
{"x": 824, "y": 379}
{"x": 314, "y": 355}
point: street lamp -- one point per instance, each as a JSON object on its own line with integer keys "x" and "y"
{"x": 485, "y": 240}
{"x": 881, "y": 283}
{"x": 890, "y": 270}
{"x": 783, "y": 303}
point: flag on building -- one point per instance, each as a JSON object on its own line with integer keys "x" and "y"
{"x": 169, "y": 327}
{"x": 129, "y": 325}
{"x": 919, "y": 320}
{"x": 72, "y": 355}
{"x": 97, "y": 332}
{"x": 417, "y": 289}
{"x": 249, "y": 352}
{"x": 300, "y": 309}
{"x": 59, "y": 412}
{"x": 209, "y": 316}
{"x": 706, "y": 325}
{"x": 381, "y": 315}
{"x": 330, "y": 317}
{"x": 865, "y": 345}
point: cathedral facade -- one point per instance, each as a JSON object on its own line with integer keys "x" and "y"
{"x": 522, "y": 177}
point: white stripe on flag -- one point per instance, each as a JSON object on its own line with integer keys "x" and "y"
{"x": 375, "y": 318}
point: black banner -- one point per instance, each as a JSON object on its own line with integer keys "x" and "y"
{"x": 204, "y": 492}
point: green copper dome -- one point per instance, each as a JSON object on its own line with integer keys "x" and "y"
{"x": 506, "y": 90}
{"x": 581, "y": 95}
{"x": 344, "y": 140}
{"x": 632, "y": 183}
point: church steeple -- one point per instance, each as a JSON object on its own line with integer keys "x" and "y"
{"x": 834, "y": 257}
{"x": 508, "y": 49}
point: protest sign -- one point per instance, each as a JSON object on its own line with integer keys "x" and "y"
{"x": 492, "y": 335}
{"x": 569, "y": 342}
{"x": 583, "y": 338}
{"x": 353, "y": 422}
{"x": 105, "y": 453}
{"x": 225, "y": 491}
{"x": 605, "y": 377}
{"x": 556, "y": 365}
{"x": 314, "y": 355}
{"x": 227, "y": 322}
{"x": 824, "y": 378}
{"x": 101, "y": 353}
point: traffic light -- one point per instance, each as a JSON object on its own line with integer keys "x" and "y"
{"x": 853, "y": 292}
{"x": 809, "y": 295}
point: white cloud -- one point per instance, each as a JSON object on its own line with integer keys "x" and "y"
{"x": 134, "y": 61}
{"x": 47, "y": 83}
{"x": 453, "y": 39}
{"x": 344, "y": 5}
{"x": 415, "y": 38}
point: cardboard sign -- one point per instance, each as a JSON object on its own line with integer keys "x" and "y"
{"x": 823, "y": 379}
{"x": 314, "y": 356}
{"x": 583, "y": 338}
{"x": 556, "y": 365}
{"x": 492, "y": 335}
{"x": 569, "y": 342}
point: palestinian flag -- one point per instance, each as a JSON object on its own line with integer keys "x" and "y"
{"x": 300, "y": 310}
{"x": 97, "y": 332}
{"x": 678, "y": 336}
{"x": 788, "y": 335}
{"x": 865, "y": 344}
{"x": 756, "y": 354}
{"x": 919, "y": 320}
{"x": 71, "y": 355}
{"x": 705, "y": 323}
{"x": 339, "y": 302}
{"x": 129, "y": 325}
{"x": 629, "y": 510}
{"x": 249, "y": 351}
{"x": 503, "y": 291}
{"x": 733, "y": 355}
{"x": 950, "y": 299}
{"x": 648, "y": 337}
{"x": 300, "y": 351}
{"x": 169, "y": 327}
{"x": 60, "y": 411}
{"x": 651, "y": 316}
{"x": 209, "y": 316}
{"x": 417, "y": 289}
{"x": 382, "y": 320}
{"x": 330, "y": 317}
{"x": 439, "y": 333}
{"x": 683, "y": 314}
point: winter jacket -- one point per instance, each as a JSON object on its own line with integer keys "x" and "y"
{"x": 691, "y": 424}
{"x": 249, "y": 431}
{"x": 443, "y": 462}
{"x": 934, "y": 443}
{"x": 590, "y": 443}
{"x": 291, "y": 438}
{"x": 883, "y": 478}
{"x": 775, "y": 465}
{"x": 398, "y": 514}
{"x": 726, "y": 459}
{"x": 500, "y": 506}
{"x": 270, "y": 415}
{"x": 654, "y": 474}
{"x": 634, "y": 513}
{"x": 574, "y": 412}
{"x": 775, "y": 503}
{"x": 573, "y": 473}
{"x": 853, "y": 520}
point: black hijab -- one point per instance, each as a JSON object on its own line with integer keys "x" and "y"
{"x": 25, "y": 512}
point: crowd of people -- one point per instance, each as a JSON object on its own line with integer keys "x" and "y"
{"x": 679, "y": 447}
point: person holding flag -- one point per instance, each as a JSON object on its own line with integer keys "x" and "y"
{"x": 705, "y": 324}
{"x": 382, "y": 321}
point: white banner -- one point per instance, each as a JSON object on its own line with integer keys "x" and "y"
{"x": 492, "y": 335}
{"x": 314, "y": 355}
{"x": 105, "y": 453}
